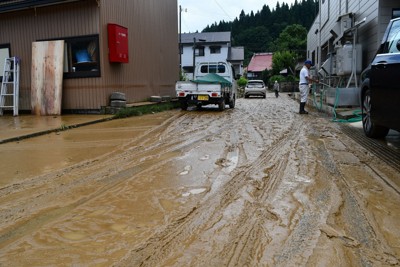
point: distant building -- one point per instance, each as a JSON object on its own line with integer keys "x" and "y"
{"x": 211, "y": 47}
{"x": 259, "y": 63}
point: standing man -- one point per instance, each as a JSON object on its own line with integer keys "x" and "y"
{"x": 305, "y": 79}
{"x": 276, "y": 88}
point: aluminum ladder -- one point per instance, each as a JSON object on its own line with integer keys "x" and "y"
{"x": 9, "y": 94}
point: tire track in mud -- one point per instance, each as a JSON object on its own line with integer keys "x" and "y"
{"x": 208, "y": 215}
{"x": 132, "y": 160}
{"x": 283, "y": 198}
{"x": 245, "y": 244}
{"x": 350, "y": 222}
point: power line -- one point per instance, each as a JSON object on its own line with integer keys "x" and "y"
{"x": 222, "y": 9}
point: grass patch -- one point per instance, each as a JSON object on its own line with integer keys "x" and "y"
{"x": 146, "y": 109}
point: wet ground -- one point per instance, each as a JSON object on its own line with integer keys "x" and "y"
{"x": 258, "y": 185}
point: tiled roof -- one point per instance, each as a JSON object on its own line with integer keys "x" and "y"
{"x": 236, "y": 53}
{"x": 209, "y": 37}
{"x": 260, "y": 62}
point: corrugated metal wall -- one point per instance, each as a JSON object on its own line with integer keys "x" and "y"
{"x": 153, "y": 47}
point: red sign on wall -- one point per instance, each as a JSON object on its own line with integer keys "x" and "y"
{"x": 117, "y": 43}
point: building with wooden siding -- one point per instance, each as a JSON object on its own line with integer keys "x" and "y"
{"x": 151, "y": 66}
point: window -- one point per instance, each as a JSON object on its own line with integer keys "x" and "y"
{"x": 215, "y": 50}
{"x": 81, "y": 57}
{"x": 4, "y": 53}
{"x": 393, "y": 38}
{"x": 199, "y": 51}
{"x": 212, "y": 69}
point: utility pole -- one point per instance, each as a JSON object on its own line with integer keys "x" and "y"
{"x": 180, "y": 38}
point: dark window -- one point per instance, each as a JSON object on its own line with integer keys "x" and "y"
{"x": 81, "y": 57}
{"x": 199, "y": 51}
{"x": 188, "y": 69}
{"x": 215, "y": 50}
{"x": 4, "y": 53}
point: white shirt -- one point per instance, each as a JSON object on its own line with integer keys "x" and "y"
{"x": 303, "y": 74}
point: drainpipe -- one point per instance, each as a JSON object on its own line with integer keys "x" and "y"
{"x": 319, "y": 36}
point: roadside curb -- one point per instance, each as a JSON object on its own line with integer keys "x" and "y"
{"x": 67, "y": 127}
{"x": 71, "y": 126}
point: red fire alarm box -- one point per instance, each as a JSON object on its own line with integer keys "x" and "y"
{"x": 117, "y": 43}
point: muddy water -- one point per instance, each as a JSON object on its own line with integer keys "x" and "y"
{"x": 44, "y": 154}
{"x": 255, "y": 186}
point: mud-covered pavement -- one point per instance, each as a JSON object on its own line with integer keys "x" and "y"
{"x": 258, "y": 185}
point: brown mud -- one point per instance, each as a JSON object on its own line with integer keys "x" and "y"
{"x": 258, "y": 185}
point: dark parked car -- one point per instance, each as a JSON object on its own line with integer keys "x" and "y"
{"x": 380, "y": 86}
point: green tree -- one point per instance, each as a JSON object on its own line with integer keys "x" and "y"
{"x": 283, "y": 60}
{"x": 257, "y": 31}
{"x": 293, "y": 38}
{"x": 255, "y": 38}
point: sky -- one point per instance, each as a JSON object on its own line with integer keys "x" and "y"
{"x": 197, "y": 14}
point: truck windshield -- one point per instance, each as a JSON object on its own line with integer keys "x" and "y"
{"x": 212, "y": 69}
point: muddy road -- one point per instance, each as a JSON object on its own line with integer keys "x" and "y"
{"x": 258, "y": 185}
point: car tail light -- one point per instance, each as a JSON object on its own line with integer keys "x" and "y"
{"x": 214, "y": 94}
{"x": 181, "y": 94}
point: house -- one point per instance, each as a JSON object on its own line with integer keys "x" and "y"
{"x": 93, "y": 67}
{"x": 259, "y": 63}
{"x": 211, "y": 47}
{"x": 339, "y": 21}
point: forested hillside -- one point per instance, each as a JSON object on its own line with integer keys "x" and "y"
{"x": 258, "y": 32}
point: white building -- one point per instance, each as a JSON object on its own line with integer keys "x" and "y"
{"x": 211, "y": 47}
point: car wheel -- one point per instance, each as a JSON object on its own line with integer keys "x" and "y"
{"x": 371, "y": 129}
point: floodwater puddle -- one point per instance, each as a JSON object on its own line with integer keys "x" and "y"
{"x": 43, "y": 154}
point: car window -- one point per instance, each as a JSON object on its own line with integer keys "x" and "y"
{"x": 255, "y": 84}
{"x": 393, "y": 38}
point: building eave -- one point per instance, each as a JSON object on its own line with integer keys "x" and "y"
{"x": 17, "y": 5}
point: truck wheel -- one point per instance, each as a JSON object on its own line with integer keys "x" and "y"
{"x": 232, "y": 103}
{"x": 184, "y": 106}
{"x": 221, "y": 104}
